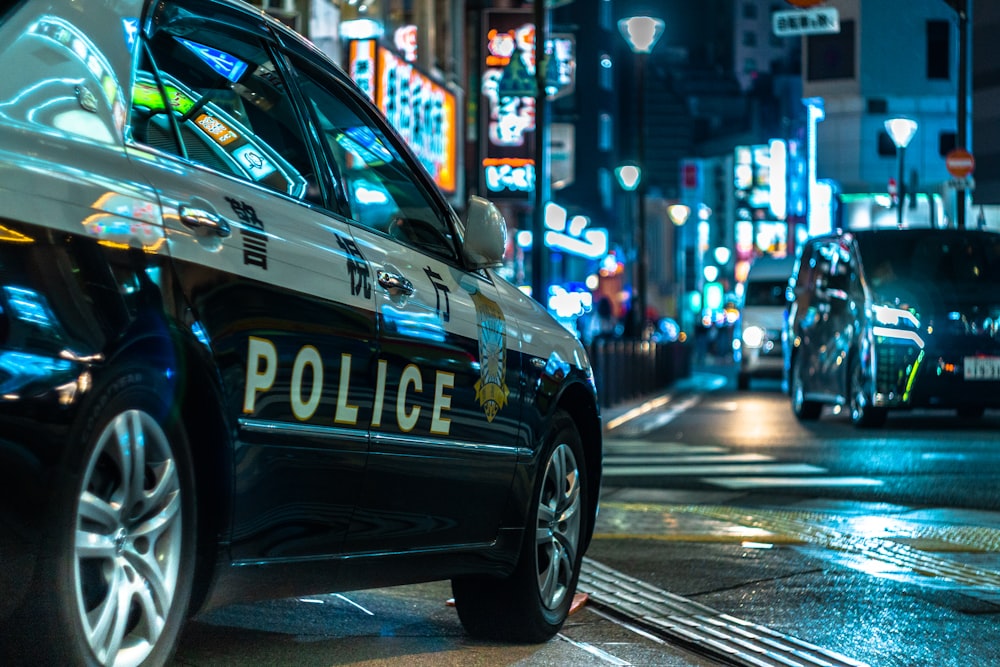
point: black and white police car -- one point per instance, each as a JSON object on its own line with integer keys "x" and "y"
{"x": 248, "y": 350}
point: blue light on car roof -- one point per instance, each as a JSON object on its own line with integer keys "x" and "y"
{"x": 229, "y": 66}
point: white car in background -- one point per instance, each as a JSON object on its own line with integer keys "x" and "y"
{"x": 762, "y": 315}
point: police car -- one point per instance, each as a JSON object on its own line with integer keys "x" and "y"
{"x": 248, "y": 350}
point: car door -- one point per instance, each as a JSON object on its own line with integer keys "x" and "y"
{"x": 270, "y": 274}
{"x": 829, "y": 322}
{"x": 444, "y": 424}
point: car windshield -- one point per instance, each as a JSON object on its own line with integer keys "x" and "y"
{"x": 765, "y": 293}
{"x": 947, "y": 259}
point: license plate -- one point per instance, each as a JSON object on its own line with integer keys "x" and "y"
{"x": 982, "y": 368}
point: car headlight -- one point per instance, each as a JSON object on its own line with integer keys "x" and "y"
{"x": 754, "y": 336}
{"x": 898, "y": 323}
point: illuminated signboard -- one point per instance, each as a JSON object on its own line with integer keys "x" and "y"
{"x": 423, "y": 111}
{"x": 508, "y": 89}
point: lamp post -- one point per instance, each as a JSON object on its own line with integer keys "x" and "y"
{"x": 678, "y": 214}
{"x": 641, "y": 33}
{"x": 629, "y": 176}
{"x": 901, "y": 131}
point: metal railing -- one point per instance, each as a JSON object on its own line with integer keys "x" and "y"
{"x": 627, "y": 369}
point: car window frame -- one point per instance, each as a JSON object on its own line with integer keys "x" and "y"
{"x": 329, "y": 76}
{"x": 237, "y": 26}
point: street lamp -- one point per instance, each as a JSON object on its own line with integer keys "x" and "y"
{"x": 641, "y": 33}
{"x": 628, "y": 176}
{"x": 901, "y": 131}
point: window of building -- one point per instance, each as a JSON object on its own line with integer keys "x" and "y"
{"x": 605, "y": 71}
{"x": 605, "y": 132}
{"x": 831, "y": 56}
{"x": 938, "y": 49}
{"x": 604, "y": 15}
{"x": 947, "y": 141}
{"x": 749, "y": 10}
{"x": 878, "y": 105}
{"x": 749, "y": 38}
{"x": 604, "y": 184}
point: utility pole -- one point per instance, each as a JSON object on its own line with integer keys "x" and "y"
{"x": 539, "y": 254}
{"x": 962, "y": 9}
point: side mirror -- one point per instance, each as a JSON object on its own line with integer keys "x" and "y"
{"x": 485, "y": 234}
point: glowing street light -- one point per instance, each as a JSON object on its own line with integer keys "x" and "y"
{"x": 628, "y": 176}
{"x": 641, "y": 33}
{"x": 901, "y": 131}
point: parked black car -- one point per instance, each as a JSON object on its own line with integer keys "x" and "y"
{"x": 247, "y": 349}
{"x": 895, "y": 319}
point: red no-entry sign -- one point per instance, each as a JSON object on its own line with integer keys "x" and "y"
{"x": 959, "y": 162}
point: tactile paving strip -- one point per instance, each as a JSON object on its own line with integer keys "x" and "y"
{"x": 700, "y": 627}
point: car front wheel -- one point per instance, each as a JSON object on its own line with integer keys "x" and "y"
{"x": 804, "y": 410}
{"x": 863, "y": 412}
{"x": 533, "y": 603}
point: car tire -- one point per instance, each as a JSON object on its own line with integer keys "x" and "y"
{"x": 116, "y": 583}
{"x": 531, "y": 605}
{"x": 863, "y": 413}
{"x": 804, "y": 410}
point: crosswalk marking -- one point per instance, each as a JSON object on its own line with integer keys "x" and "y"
{"x": 685, "y": 459}
{"x": 628, "y": 455}
{"x": 739, "y": 483}
{"x": 617, "y": 446}
{"x": 718, "y": 466}
{"x": 714, "y": 469}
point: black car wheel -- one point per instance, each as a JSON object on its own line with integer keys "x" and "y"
{"x": 533, "y": 603}
{"x": 804, "y": 410}
{"x": 116, "y": 588}
{"x": 863, "y": 413}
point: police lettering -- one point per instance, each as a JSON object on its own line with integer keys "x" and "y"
{"x": 308, "y": 380}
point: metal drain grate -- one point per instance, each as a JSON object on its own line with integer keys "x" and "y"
{"x": 699, "y": 627}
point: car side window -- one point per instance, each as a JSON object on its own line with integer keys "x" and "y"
{"x": 229, "y": 109}
{"x": 382, "y": 191}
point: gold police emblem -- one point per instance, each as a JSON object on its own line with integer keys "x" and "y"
{"x": 491, "y": 389}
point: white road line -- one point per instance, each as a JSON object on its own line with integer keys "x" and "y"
{"x": 652, "y": 414}
{"x": 707, "y": 470}
{"x": 615, "y": 447}
{"x": 596, "y": 652}
{"x": 696, "y": 458}
{"x": 352, "y": 603}
{"x": 741, "y": 483}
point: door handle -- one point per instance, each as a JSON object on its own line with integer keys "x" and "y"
{"x": 202, "y": 219}
{"x": 395, "y": 283}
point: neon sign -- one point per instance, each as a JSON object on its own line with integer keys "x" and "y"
{"x": 509, "y": 89}
{"x": 423, "y": 111}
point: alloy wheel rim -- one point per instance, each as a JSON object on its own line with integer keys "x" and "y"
{"x": 128, "y": 540}
{"x": 557, "y": 533}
